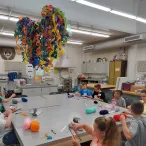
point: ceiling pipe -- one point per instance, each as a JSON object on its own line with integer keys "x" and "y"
{"x": 7, "y": 42}
{"x": 74, "y": 25}
{"x": 140, "y": 38}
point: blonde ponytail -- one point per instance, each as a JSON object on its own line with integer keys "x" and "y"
{"x": 112, "y": 135}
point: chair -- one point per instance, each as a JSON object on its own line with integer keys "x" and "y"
{"x": 128, "y": 101}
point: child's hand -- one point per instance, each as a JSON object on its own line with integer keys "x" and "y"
{"x": 7, "y": 112}
{"x": 127, "y": 113}
{"x": 75, "y": 141}
{"x": 76, "y": 127}
{"x": 128, "y": 107}
{"x": 77, "y": 94}
{"x": 122, "y": 118}
{"x": 13, "y": 95}
{"x": 13, "y": 110}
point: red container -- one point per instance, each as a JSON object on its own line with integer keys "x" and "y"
{"x": 127, "y": 86}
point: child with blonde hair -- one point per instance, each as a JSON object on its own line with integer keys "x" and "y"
{"x": 105, "y": 132}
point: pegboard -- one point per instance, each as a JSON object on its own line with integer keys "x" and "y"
{"x": 141, "y": 66}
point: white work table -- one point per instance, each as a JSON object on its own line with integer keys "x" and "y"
{"x": 56, "y": 118}
{"x": 39, "y": 90}
{"x": 37, "y": 102}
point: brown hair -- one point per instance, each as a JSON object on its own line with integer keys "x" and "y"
{"x": 98, "y": 86}
{"x": 112, "y": 135}
{"x": 83, "y": 84}
{"x": 143, "y": 91}
{"x": 119, "y": 92}
{"x": 137, "y": 107}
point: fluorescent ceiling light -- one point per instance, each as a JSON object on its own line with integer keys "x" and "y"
{"x": 100, "y": 35}
{"x": 141, "y": 19}
{"x": 74, "y": 42}
{"x": 123, "y": 14}
{"x": 4, "y": 17}
{"x": 7, "y": 33}
{"x": 14, "y": 19}
{"x": 93, "y": 5}
{"x": 89, "y": 33}
{"x": 81, "y": 31}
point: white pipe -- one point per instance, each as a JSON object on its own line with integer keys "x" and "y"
{"x": 7, "y": 42}
{"x": 115, "y": 44}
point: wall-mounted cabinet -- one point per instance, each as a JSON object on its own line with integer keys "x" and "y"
{"x": 14, "y": 66}
{"x": 95, "y": 68}
{"x": 39, "y": 91}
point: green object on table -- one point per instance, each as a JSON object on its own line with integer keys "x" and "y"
{"x": 1, "y": 105}
{"x": 18, "y": 89}
{"x": 14, "y": 101}
{"x": 90, "y": 110}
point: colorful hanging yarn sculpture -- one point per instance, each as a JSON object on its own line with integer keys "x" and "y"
{"x": 42, "y": 41}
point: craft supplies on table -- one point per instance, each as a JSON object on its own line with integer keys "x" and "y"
{"x": 69, "y": 109}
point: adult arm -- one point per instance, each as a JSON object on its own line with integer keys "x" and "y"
{"x": 9, "y": 119}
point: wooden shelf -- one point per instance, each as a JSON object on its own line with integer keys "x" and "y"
{"x": 128, "y": 92}
{"x": 103, "y": 86}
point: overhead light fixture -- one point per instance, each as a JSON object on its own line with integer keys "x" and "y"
{"x": 81, "y": 31}
{"x": 100, "y": 35}
{"x": 74, "y": 42}
{"x": 141, "y": 19}
{"x": 4, "y": 17}
{"x": 123, "y": 14}
{"x": 13, "y": 19}
{"x": 7, "y": 33}
{"x": 93, "y": 5}
{"x": 89, "y": 33}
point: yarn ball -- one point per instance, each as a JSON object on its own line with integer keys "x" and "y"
{"x": 117, "y": 117}
{"x": 104, "y": 112}
{"x": 76, "y": 120}
{"x": 26, "y": 124}
{"x": 70, "y": 96}
{"x": 109, "y": 106}
{"x": 14, "y": 101}
{"x": 95, "y": 102}
{"x": 35, "y": 126}
{"x": 24, "y": 99}
{"x": 49, "y": 137}
{"x": 90, "y": 110}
